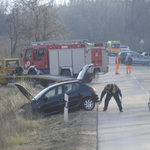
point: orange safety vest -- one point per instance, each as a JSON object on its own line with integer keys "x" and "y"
{"x": 113, "y": 91}
{"x": 117, "y": 60}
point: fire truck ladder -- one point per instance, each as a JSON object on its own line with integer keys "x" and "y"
{"x": 60, "y": 42}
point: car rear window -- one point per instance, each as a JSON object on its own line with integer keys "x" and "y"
{"x": 71, "y": 87}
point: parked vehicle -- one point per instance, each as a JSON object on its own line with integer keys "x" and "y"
{"x": 51, "y": 99}
{"x": 11, "y": 71}
{"x": 113, "y": 47}
{"x": 66, "y": 58}
{"x": 124, "y": 48}
{"x": 123, "y": 54}
{"x": 139, "y": 59}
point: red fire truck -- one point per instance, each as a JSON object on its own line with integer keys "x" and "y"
{"x": 65, "y": 58}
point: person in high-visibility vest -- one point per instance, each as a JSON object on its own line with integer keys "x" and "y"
{"x": 111, "y": 90}
{"x": 118, "y": 62}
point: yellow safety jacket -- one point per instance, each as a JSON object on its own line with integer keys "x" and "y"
{"x": 113, "y": 90}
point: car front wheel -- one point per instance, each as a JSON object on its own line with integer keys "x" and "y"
{"x": 88, "y": 104}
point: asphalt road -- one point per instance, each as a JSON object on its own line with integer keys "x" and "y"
{"x": 128, "y": 130}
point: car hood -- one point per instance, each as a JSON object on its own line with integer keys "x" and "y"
{"x": 83, "y": 72}
{"x": 25, "y": 92}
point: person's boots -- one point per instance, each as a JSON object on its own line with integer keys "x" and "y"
{"x": 104, "y": 109}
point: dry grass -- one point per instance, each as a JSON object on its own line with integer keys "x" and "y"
{"x": 50, "y": 133}
{"x": 11, "y": 125}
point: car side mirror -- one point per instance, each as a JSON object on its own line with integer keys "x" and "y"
{"x": 45, "y": 99}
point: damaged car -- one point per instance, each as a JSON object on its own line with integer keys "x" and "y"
{"x": 51, "y": 99}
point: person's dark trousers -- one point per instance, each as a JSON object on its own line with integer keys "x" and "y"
{"x": 116, "y": 97}
{"x": 107, "y": 99}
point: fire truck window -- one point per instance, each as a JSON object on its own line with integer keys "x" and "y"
{"x": 35, "y": 52}
{"x": 28, "y": 54}
{"x": 0, "y": 65}
{"x": 41, "y": 53}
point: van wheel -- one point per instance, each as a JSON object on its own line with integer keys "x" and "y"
{"x": 66, "y": 73}
{"x": 88, "y": 104}
{"x": 149, "y": 63}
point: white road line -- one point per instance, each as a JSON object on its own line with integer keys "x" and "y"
{"x": 139, "y": 84}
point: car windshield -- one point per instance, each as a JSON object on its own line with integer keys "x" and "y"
{"x": 115, "y": 45}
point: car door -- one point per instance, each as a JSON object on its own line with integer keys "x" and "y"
{"x": 50, "y": 102}
{"x": 135, "y": 58}
{"x": 73, "y": 91}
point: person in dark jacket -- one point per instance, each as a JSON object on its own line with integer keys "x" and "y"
{"x": 128, "y": 64}
{"x": 111, "y": 90}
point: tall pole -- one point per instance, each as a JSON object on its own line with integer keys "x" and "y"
{"x": 141, "y": 47}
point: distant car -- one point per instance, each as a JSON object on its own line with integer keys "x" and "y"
{"x": 51, "y": 99}
{"x": 139, "y": 59}
{"x": 124, "y": 48}
{"x": 123, "y": 54}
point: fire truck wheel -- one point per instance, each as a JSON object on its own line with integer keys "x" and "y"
{"x": 19, "y": 70}
{"x": 66, "y": 73}
{"x": 32, "y": 72}
{"x": 88, "y": 104}
{"x": 44, "y": 83}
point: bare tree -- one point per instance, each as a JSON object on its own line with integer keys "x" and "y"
{"x": 32, "y": 20}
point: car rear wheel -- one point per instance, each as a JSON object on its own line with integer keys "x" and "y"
{"x": 88, "y": 104}
{"x": 149, "y": 63}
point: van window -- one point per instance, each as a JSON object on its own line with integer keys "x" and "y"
{"x": 28, "y": 54}
{"x": 41, "y": 53}
{"x": 12, "y": 63}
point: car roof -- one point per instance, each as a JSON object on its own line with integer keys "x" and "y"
{"x": 124, "y": 46}
{"x": 61, "y": 83}
{"x": 128, "y": 52}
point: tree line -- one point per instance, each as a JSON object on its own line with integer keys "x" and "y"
{"x": 127, "y": 21}
{"x": 26, "y": 21}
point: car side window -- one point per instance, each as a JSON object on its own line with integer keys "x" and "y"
{"x": 71, "y": 87}
{"x": 51, "y": 93}
{"x": 60, "y": 91}
{"x": 134, "y": 55}
{"x": 142, "y": 57}
{"x": 54, "y": 92}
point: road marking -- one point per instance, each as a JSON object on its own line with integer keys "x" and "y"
{"x": 139, "y": 83}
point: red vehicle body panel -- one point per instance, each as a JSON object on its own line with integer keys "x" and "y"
{"x": 96, "y": 57}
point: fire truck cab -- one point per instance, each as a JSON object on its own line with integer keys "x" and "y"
{"x": 65, "y": 58}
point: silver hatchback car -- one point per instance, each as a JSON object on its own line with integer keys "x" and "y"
{"x": 138, "y": 58}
